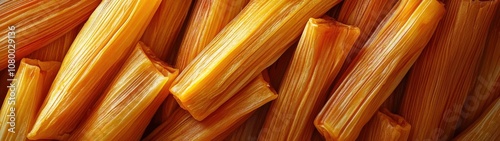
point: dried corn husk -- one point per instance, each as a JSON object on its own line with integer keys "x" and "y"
{"x": 182, "y": 126}
{"x": 94, "y": 58}
{"x": 385, "y": 126}
{"x": 444, "y": 74}
{"x": 24, "y": 98}
{"x": 131, "y": 100}
{"x": 323, "y": 47}
{"x": 242, "y": 50}
{"x": 379, "y": 67}
{"x": 33, "y": 24}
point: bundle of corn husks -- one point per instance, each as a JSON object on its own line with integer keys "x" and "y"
{"x": 247, "y": 70}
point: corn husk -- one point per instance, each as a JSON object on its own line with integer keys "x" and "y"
{"x": 243, "y": 49}
{"x": 164, "y": 28}
{"x": 131, "y": 100}
{"x": 379, "y": 67}
{"x": 56, "y": 51}
{"x": 366, "y": 15}
{"x": 323, "y": 47}
{"x": 385, "y": 126}
{"x": 24, "y": 98}
{"x": 34, "y": 24}
{"x": 485, "y": 128}
{"x": 444, "y": 74}
{"x": 487, "y": 86}
{"x": 208, "y": 18}
{"x": 94, "y": 58}
{"x": 182, "y": 126}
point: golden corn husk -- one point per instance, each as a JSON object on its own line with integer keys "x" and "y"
{"x": 94, "y": 58}
{"x": 378, "y": 69}
{"x": 209, "y": 18}
{"x": 30, "y": 25}
{"x": 164, "y": 28}
{"x": 321, "y": 51}
{"x": 366, "y": 15}
{"x": 55, "y": 51}
{"x": 485, "y": 128}
{"x": 385, "y": 126}
{"x": 487, "y": 87}
{"x": 182, "y": 126}
{"x": 161, "y": 35}
{"x": 243, "y": 49}
{"x": 131, "y": 100}
{"x": 445, "y": 72}
{"x": 26, "y": 94}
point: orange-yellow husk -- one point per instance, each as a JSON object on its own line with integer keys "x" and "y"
{"x": 55, "y": 51}
{"x": 445, "y": 72}
{"x": 322, "y": 49}
{"x": 251, "y": 42}
{"x": 366, "y": 15}
{"x": 485, "y": 128}
{"x": 182, "y": 126}
{"x": 162, "y": 33}
{"x": 91, "y": 62}
{"x": 385, "y": 126}
{"x": 377, "y": 70}
{"x": 33, "y": 24}
{"x": 24, "y": 98}
{"x": 487, "y": 87}
{"x": 207, "y": 19}
{"x": 129, "y": 103}
{"x": 163, "y": 30}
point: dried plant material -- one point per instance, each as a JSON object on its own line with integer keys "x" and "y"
{"x": 322, "y": 49}
{"x": 100, "y": 48}
{"x": 367, "y": 15}
{"x": 209, "y": 17}
{"x": 485, "y": 128}
{"x": 445, "y": 72}
{"x": 385, "y": 126}
{"x": 30, "y": 25}
{"x": 243, "y": 49}
{"x": 24, "y": 98}
{"x": 161, "y": 35}
{"x": 250, "y": 129}
{"x": 487, "y": 87}
{"x": 163, "y": 30}
{"x": 182, "y": 126}
{"x": 131, "y": 100}
{"x": 55, "y": 51}
{"x": 379, "y": 67}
